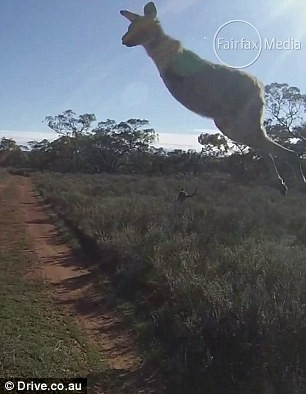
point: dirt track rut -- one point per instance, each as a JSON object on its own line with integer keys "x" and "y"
{"x": 72, "y": 285}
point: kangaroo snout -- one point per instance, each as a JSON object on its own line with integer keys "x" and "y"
{"x": 126, "y": 42}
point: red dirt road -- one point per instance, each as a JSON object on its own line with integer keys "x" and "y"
{"x": 73, "y": 285}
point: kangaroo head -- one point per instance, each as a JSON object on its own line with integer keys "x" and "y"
{"x": 143, "y": 29}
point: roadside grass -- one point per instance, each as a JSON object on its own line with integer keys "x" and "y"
{"x": 37, "y": 339}
{"x": 219, "y": 282}
{"x": 3, "y": 174}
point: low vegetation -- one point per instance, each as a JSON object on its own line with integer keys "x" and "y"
{"x": 217, "y": 283}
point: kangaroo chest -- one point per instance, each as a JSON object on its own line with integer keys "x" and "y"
{"x": 199, "y": 97}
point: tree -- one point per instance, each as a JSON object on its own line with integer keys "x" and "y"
{"x": 285, "y": 107}
{"x": 39, "y": 155}
{"x": 300, "y": 145}
{"x": 214, "y": 146}
{"x": 67, "y": 124}
{"x": 72, "y": 128}
{"x": 106, "y": 148}
{"x": 115, "y": 144}
{"x": 10, "y": 153}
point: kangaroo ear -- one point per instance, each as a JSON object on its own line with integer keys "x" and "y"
{"x": 129, "y": 15}
{"x": 150, "y": 10}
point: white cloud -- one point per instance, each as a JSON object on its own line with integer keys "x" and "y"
{"x": 166, "y": 140}
{"x": 212, "y": 131}
{"x": 181, "y": 141}
{"x": 24, "y": 136}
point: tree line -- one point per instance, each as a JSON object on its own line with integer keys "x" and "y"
{"x": 126, "y": 147}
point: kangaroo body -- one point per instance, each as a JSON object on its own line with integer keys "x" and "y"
{"x": 232, "y": 98}
{"x": 211, "y": 90}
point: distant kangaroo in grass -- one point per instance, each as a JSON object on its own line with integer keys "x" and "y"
{"x": 232, "y": 98}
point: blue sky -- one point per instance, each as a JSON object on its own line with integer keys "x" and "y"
{"x": 67, "y": 54}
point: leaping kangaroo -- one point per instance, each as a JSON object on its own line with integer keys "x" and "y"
{"x": 232, "y": 98}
